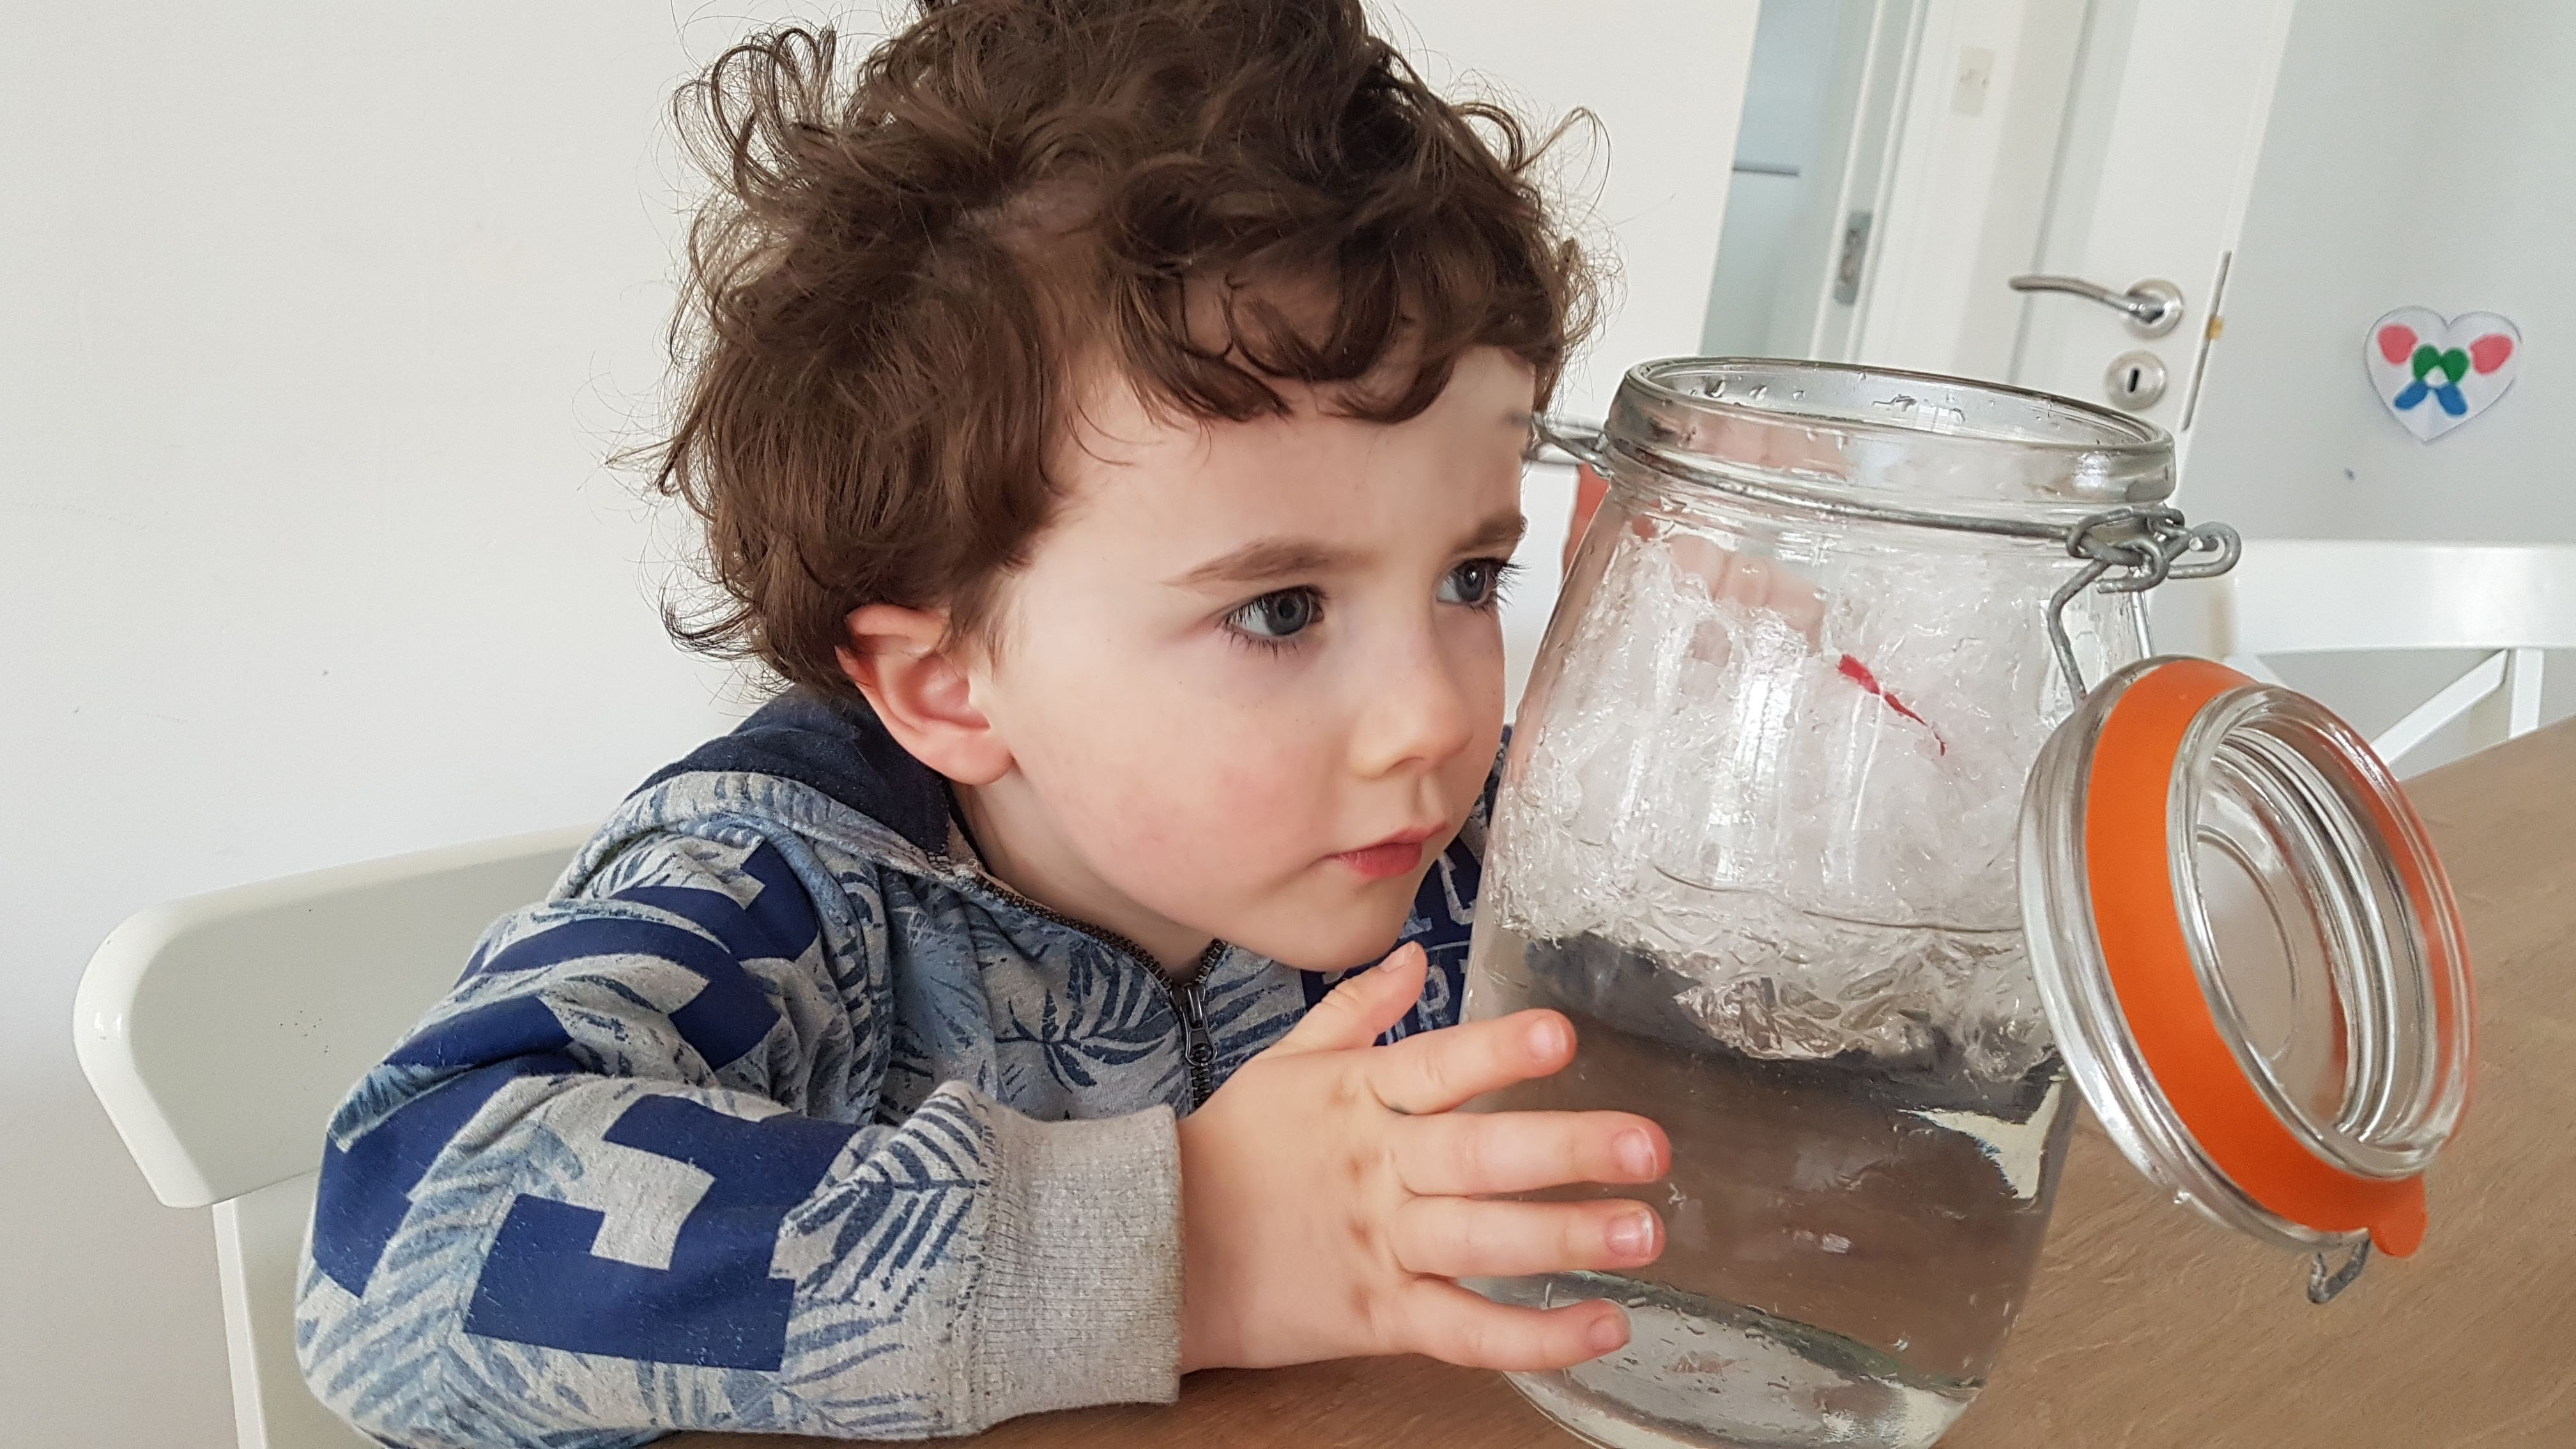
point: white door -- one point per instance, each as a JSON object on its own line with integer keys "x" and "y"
{"x": 2164, "y": 126}
{"x": 2109, "y": 142}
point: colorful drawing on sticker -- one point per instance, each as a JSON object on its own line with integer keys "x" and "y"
{"x": 2434, "y": 372}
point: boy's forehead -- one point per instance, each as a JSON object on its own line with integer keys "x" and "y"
{"x": 1130, "y": 452}
{"x": 1124, "y": 434}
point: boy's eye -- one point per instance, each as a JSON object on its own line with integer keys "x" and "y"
{"x": 1477, "y": 583}
{"x": 1278, "y": 616}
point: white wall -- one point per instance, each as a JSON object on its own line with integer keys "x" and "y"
{"x": 2364, "y": 202}
{"x": 319, "y": 321}
{"x": 1667, "y": 80}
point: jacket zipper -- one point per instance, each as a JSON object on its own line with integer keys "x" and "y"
{"x": 1198, "y": 1046}
{"x": 1187, "y": 996}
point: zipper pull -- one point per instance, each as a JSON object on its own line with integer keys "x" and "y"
{"x": 1198, "y": 1047}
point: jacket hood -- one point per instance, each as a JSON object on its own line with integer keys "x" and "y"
{"x": 837, "y": 747}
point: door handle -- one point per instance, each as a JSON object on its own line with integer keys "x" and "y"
{"x": 2154, "y": 307}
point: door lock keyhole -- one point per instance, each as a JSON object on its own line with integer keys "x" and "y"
{"x": 2135, "y": 380}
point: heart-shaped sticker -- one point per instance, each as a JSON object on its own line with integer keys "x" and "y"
{"x": 2435, "y": 373}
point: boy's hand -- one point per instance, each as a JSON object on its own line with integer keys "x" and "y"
{"x": 1329, "y": 1193}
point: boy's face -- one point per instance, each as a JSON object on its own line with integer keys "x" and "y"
{"x": 1251, "y": 678}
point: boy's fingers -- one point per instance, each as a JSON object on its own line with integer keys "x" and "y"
{"x": 1446, "y": 1322}
{"x": 1459, "y": 1237}
{"x": 1441, "y": 1070}
{"x": 1462, "y": 1154}
{"x": 1362, "y": 1008}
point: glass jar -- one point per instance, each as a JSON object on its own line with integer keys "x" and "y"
{"x": 1764, "y": 837}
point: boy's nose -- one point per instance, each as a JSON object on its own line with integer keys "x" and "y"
{"x": 1418, "y": 710}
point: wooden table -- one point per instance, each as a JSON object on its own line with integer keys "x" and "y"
{"x": 2149, "y": 1327}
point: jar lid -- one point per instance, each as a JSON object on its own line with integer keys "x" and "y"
{"x": 2249, "y": 953}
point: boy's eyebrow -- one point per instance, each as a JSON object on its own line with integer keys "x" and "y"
{"x": 1268, "y": 558}
{"x": 1263, "y": 560}
{"x": 1502, "y": 533}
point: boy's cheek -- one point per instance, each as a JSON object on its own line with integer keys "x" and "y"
{"x": 1240, "y": 851}
{"x": 1234, "y": 784}
{"x": 1243, "y": 821}
{"x": 1272, "y": 792}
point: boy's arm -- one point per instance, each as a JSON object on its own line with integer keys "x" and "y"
{"x": 585, "y": 1195}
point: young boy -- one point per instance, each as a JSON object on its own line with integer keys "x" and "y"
{"x": 1107, "y": 417}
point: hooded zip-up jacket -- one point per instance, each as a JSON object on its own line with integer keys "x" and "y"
{"x": 780, "y": 1114}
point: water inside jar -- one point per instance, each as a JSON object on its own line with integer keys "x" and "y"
{"x": 1847, "y": 1244}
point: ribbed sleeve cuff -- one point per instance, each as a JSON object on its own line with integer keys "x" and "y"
{"x": 1079, "y": 1301}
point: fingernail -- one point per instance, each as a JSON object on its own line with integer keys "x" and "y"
{"x": 1548, "y": 1037}
{"x": 1397, "y": 958}
{"x": 1608, "y": 1332}
{"x": 1632, "y": 1235}
{"x": 1636, "y": 1153}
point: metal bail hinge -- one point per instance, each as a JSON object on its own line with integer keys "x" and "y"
{"x": 2324, "y": 1282}
{"x": 2154, "y": 544}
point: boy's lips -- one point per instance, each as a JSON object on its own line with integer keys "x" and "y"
{"x": 1392, "y": 856}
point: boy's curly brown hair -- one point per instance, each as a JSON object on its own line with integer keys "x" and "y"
{"x": 901, "y": 269}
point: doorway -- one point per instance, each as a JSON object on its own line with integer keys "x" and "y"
{"x": 2040, "y": 192}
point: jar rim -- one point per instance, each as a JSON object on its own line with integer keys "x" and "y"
{"x": 1885, "y": 440}
{"x": 2121, "y": 431}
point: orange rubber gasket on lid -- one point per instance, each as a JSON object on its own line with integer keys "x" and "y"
{"x": 2129, "y": 875}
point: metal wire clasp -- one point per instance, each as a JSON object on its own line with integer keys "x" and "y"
{"x": 2325, "y": 1280}
{"x": 2154, "y": 544}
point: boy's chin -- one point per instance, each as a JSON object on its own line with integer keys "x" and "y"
{"x": 1359, "y": 934}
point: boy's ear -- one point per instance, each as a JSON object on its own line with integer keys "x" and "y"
{"x": 921, "y": 688}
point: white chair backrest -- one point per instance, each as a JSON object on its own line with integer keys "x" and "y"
{"x": 220, "y": 1031}
{"x": 2509, "y": 602}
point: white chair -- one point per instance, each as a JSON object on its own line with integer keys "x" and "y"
{"x": 2314, "y": 596}
{"x": 221, "y": 1030}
